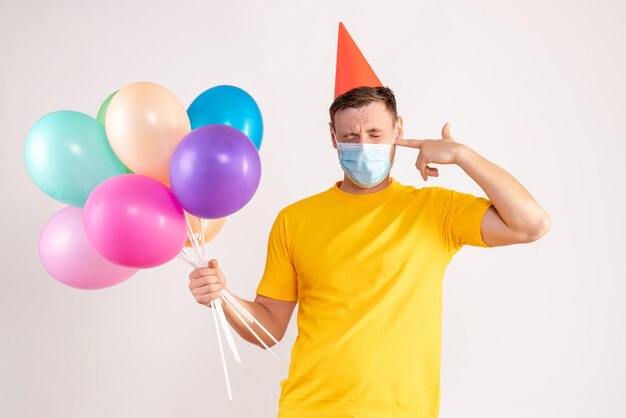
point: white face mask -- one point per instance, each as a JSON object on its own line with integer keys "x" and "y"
{"x": 367, "y": 165}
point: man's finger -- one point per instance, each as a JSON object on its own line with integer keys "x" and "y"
{"x": 201, "y": 272}
{"x": 432, "y": 171}
{"x": 445, "y": 132}
{"x": 421, "y": 166}
{"x": 411, "y": 143}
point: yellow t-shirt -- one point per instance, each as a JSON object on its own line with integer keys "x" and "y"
{"x": 367, "y": 273}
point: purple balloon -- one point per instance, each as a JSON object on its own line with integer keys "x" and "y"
{"x": 215, "y": 171}
{"x": 69, "y": 257}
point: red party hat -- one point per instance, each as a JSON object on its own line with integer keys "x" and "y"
{"x": 352, "y": 68}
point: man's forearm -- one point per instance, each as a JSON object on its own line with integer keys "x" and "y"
{"x": 515, "y": 205}
{"x": 259, "y": 312}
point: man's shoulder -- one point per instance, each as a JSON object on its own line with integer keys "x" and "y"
{"x": 445, "y": 192}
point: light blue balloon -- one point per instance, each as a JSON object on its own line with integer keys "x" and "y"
{"x": 68, "y": 154}
{"x": 228, "y": 105}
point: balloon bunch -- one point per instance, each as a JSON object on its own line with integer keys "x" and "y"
{"x": 145, "y": 182}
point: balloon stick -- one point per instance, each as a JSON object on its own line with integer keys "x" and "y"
{"x": 193, "y": 242}
{"x": 220, "y": 311}
{"x": 249, "y": 328}
{"x": 219, "y": 338}
{"x": 185, "y": 259}
{"x": 232, "y": 299}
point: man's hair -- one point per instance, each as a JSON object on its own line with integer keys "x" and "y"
{"x": 362, "y": 96}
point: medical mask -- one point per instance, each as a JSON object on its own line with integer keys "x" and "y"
{"x": 366, "y": 165}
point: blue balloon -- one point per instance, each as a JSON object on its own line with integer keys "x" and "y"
{"x": 228, "y": 105}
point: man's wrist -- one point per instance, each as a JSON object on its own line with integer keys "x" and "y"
{"x": 215, "y": 301}
{"x": 462, "y": 154}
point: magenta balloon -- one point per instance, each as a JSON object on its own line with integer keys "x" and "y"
{"x": 135, "y": 221}
{"x": 215, "y": 171}
{"x": 69, "y": 257}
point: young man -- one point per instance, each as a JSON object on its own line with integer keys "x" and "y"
{"x": 365, "y": 261}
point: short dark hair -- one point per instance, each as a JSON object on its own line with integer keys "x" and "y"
{"x": 362, "y": 96}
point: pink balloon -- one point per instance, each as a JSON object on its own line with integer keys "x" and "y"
{"x": 135, "y": 221}
{"x": 69, "y": 257}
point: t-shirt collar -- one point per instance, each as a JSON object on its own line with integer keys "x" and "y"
{"x": 387, "y": 191}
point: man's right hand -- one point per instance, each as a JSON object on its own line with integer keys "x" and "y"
{"x": 206, "y": 283}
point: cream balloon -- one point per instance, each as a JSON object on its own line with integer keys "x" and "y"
{"x": 211, "y": 227}
{"x": 144, "y": 124}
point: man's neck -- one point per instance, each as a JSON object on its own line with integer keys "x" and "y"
{"x": 349, "y": 187}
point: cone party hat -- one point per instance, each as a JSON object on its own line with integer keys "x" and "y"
{"x": 352, "y": 68}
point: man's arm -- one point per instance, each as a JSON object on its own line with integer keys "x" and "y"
{"x": 206, "y": 283}
{"x": 515, "y": 216}
{"x": 273, "y": 314}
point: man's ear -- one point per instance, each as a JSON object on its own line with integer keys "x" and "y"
{"x": 400, "y": 127}
{"x": 332, "y": 135}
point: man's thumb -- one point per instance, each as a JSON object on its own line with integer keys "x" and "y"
{"x": 213, "y": 263}
{"x": 445, "y": 132}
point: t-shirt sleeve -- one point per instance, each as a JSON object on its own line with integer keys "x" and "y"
{"x": 462, "y": 219}
{"x": 279, "y": 279}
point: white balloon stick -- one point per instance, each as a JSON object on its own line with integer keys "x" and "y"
{"x": 194, "y": 243}
{"x": 220, "y": 311}
{"x": 232, "y": 298}
{"x": 226, "y": 328}
{"x": 202, "y": 240}
{"x": 219, "y": 339}
{"x": 245, "y": 313}
{"x": 190, "y": 259}
{"x": 185, "y": 259}
{"x": 249, "y": 328}
{"x": 186, "y": 254}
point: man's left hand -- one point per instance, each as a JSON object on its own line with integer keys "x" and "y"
{"x": 436, "y": 151}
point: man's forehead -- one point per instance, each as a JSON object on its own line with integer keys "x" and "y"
{"x": 364, "y": 118}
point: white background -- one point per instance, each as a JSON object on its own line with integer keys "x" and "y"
{"x": 537, "y": 87}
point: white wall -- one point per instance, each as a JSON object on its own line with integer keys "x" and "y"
{"x": 537, "y": 87}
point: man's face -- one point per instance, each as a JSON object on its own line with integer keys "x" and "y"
{"x": 370, "y": 124}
